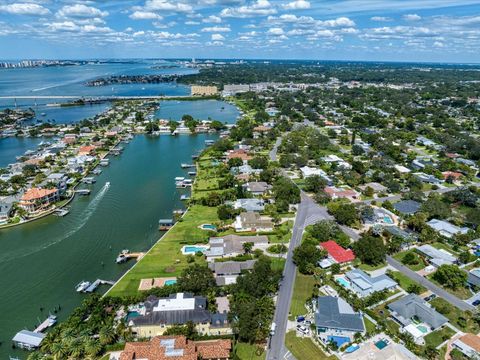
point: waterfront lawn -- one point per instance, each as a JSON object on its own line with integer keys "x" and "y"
{"x": 304, "y": 348}
{"x": 405, "y": 282}
{"x": 303, "y": 290}
{"x": 458, "y": 318}
{"x": 245, "y": 351}
{"x": 165, "y": 257}
{"x": 437, "y": 337}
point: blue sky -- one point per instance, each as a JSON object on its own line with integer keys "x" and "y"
{"x": 393, "y": 30}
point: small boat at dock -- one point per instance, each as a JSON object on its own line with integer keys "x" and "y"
{"x": 122, "y": 257}
{"x": 89, "y": 180}
{"x": 61, "y": 212}
{"x": 96, "y": 171}
{"x": 82, "y": 286}
{"x": 83, "y": 192}
{"x": 186, "y": 166}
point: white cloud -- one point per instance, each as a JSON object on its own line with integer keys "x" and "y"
{"x": 216, "y": 29}
{"x": 275, "y": 31}
{"x": 190, "y": 22}
{"x": 338, "y": 22}
{"x": 80, "y": 10}
{"x": 217, "y": 37}
{"x": 381, "y": 18}
{"x": 145, "y": 15}
{"x": 24, "y": 9}
{"x": 412, "y": 17}
{"x": 166, "y": 5}
{"x": 258, "y": 8}
{"x": 438, "y": 44}
{"x": 297, "y": 5}
{"x": 212, "y": 19}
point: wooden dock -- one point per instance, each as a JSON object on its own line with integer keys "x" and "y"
{"x": 97, "y": 283}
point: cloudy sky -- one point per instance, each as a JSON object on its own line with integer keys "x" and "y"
{"x": 404, "y": 30}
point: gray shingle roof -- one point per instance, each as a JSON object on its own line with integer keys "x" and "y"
{"x": 335, "y": 313}
{"x": 407, "y": 207}
{"x": 365, "y": 281}
{"x": 413, "y": 305}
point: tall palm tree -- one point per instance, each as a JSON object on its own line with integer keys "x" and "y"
{"x": 93, "y": 348}
{"x": 58, "y": 350}
{"x": 107, "y": 335}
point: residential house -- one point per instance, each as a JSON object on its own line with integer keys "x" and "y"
{"x": 376, "y": 187}
{"x": 336, "y": 321}
{"x": 310, "y": 171}
{"x": 59, "y": 180}
{"x": 412, "y": 309}
{"x": 340, "y": 193}
{"x": 336, "y": 253}
{"x": 244, "y": 170}
{"x": 156, "y": 315}
{"x": 454, "y": 175}
{"x": 341, "y": 164}
{"x": 473, "y": 277}
{"x": 257, "y": 188}
{"x": 226, "y": 272}
{"x": 87, "y": 150}
{"x": 249, "y": 204}
{"x": 175, "y": 347}
{"x": 239, "y": 154}
{"x": 36, "y": 199}
{"x": 232, "y": 245}
{"x": 468, "y": 345}
{"x": 364, "y": 285}
{"x": 252, "y": 221}
{"x": 6, "y": 206}
{"x": 407, "y": 207}
{"x": 426, "y": 178}
{"x": 446, "y": 229}
{"x": 370, "y": 351}
{"x": 436, "y": 257}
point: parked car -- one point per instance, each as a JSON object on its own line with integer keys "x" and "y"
{"x": 476, "y": 303}
{"x": 430, "y": 297}
{"x": 300, "y": 319}
{"x": 302, "y": 329}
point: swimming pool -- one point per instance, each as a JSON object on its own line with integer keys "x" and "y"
{"x": 170, "y": 282}
{"x": 380, "y": 344}
{"x": 208, "y": 227}
{"x": 193, "y": 249}
{"x": 351, "y": 349}
{"x": 342, "y": 281}
{"x": 422, "y": 328}
{"x": 387, "y": 220}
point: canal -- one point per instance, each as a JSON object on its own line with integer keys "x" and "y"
{"x": 41, "y": 262}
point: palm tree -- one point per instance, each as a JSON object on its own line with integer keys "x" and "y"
{"x": 77, "y": 349}
{"x": 107, "y": 335}
{"x": 93, "y": 348}
{"x": 431, "y": 352}
{"x": 58, "y": 350}
{"x": 35, "y": 356}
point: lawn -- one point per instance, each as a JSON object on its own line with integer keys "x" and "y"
{"x": 419, "y": 265}
{"x": 381, "y": 314}
{"x": 246, "y": 351}
{"x": 282, "y": 234}
{"x": 302, "y": 290}
{"x": 366, "y": 267}
{"x": 437, "y": 337}
{"x": 369, "y": 326}
{"x": 457, "y": 317}
{"x": 165, "y": 258}
{"x": 304, "y": 348}
{"x": 404, "y": 281}
{"x": 439, "y": 245}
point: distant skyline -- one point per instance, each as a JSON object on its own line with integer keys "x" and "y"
{"x": 370, "y": 30}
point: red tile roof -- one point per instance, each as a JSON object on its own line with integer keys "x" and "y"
{"x": 36, "y": 193}
{"x": 338, "y": 253}
{"x": 452, "y": 174}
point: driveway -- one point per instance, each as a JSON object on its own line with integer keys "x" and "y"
{"x": 445, "y": 295}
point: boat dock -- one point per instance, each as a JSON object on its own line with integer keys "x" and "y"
{"x": 49, "y": 321}
{"x": 93, "y": 286}
{"x": 83, "y": 191}
{"x": 89, "y": 180}
{"x": 186, "y": 166}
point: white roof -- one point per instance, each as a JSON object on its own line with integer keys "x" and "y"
{"x": 402, "y": 169}
{"x": 29, "y": 337}
{"x": 412, "y": 329}
{"x": 178, "y": 303}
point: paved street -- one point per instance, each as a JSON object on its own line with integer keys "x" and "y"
{"x": 453, "y": 300}
{"x": 308, "y": 213}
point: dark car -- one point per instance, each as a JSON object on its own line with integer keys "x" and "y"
{"x": 476, "y": 303}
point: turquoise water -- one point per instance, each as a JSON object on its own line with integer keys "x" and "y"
{"x": 343, "y": 282}
{"x": 170, "y": 282}
{"x": 381, "y": 344}
{"x": 193, "y": 249}
{"x": 422, "y": 328}
{"x": 351, "y": 349}
{"x": 387, "y": 220}
{"x": 209, "y": 227}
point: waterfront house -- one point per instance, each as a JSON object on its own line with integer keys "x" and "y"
{"x": 252, "y": 221}
{"x": 59, "y": 180}
{"x": 28, "y": 340}
{"x": 87, "y": 150}
{"x": 249, "y": 204}
{"x": 175, "y": 347}
{"x": 226, "y": 272}
{"x": 35, "y": 199}
{"x": 156, "y": 315}
{"x": 244, "y": 170}
{"x": 468, "y": 345}
{"x": 416, "y": 316}
{"x": 446, "y": 229}
{"x": 232, "y": 245}
{"x": 336, "y": 321}
{"x": 239, "y": 154}
{"x": 336, "y": 253}
{"x": 436, "y": 257}
{"x": 6, "y": 206}
{"x": 363, "y": 284}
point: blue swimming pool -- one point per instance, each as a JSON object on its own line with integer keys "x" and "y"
{"x": 339, "y": 340}
{"x": 342, "y": 281}
{"x": 351, "y": 349}
{"x": 190, "y": 249}
{"x": 170, "y": 282}
{"x": 381, "y": 344}
{"x": 132, "y": 315}
{"x": 209, "y": 227}
{"x": 387, "y": 220}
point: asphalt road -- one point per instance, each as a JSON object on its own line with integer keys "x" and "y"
{"x": 308, "y": 213}
{"x": 445, "y": 295}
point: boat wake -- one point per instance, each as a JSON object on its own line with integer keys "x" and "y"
{"x": 81, "y": 219}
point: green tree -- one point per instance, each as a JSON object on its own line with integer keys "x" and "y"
{"x": 315, "y": 183}
{"x": 450, "y": 276}
{"x": 370, "y": 250}
{"x": 197, "y": 279}
{"x": 305, "y": 254}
